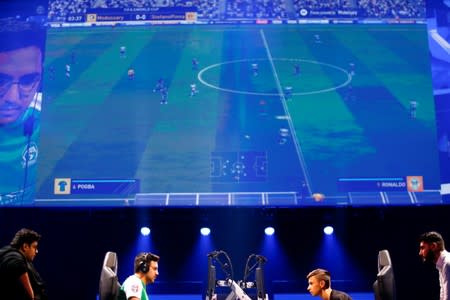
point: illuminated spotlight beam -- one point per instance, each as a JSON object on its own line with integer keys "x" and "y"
{"x": 145, "y": 231}
{"x": 328, "y": 230}
{"x": 269, "y": 231}
{"x": 205, "y": 231}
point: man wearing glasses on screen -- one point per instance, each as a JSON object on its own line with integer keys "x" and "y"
{"x": 21, "y": 57}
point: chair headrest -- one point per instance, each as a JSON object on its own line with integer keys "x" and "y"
{"x": 384, "y": 259}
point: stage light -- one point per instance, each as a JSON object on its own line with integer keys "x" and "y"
{"x": 269, "y": 230}
{"x": 328, "y": 230}
{"x": 145, "y": 231}
{"x": 205, "y": 231}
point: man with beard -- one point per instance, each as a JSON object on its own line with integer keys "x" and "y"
{"x": 19, "y": 280}
{"x": 145, "y": 272}
{"x": 432, "y": 250}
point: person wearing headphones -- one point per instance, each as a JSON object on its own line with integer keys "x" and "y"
{"x": 145, "y": 272}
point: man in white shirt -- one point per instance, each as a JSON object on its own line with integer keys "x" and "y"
{"x": 145, "y": 272}
{"x": 432, "y": 249}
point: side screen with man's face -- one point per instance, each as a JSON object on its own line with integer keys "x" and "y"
{"x": 22, "y": 54}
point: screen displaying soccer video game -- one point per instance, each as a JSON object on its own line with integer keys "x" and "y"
{"x": 315, "y": 110}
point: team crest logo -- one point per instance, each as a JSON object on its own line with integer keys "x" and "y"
{"x": 191, "y": 16}
{"x": 415, "y": 183}
{"x": 135, "y": 288}
{"x": 30, "y": 155}
{"x": 91, "y": 18}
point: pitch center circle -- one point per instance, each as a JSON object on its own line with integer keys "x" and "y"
{"x": 347, "y": 77}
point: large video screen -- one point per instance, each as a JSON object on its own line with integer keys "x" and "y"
{"x": 312, "y": 109}
{"x": 254, "y": 107}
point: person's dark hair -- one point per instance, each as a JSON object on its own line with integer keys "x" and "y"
{"x": 146, "y": 257}
{"x": 433, "y": 237}
{"x": 321, "y": 274}
{"x": 25, "y": 236}
{"x": 16, "y": 34}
